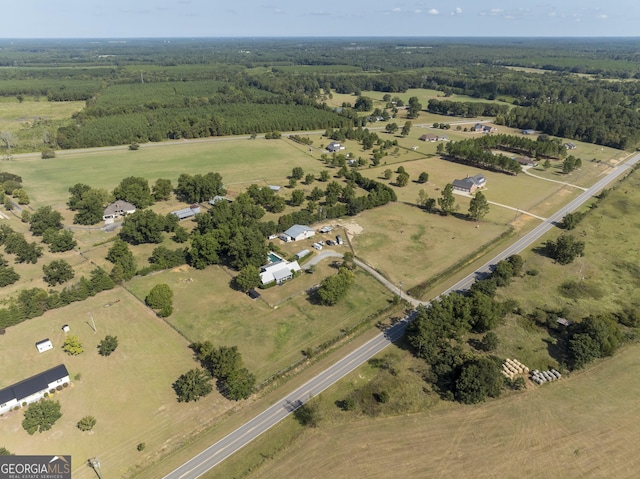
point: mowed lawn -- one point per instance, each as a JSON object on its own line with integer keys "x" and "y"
{"x": 269, "y": 338}
{"x": 239, "y": 161}
{"x": 129, "y": 392}
{"x": 581, "y": 426}
{"x": 408, "y": 245}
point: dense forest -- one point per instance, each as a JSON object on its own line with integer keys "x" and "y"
{"x": 152, "y": 90}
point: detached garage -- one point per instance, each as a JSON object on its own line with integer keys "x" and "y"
{"x": 44, "y": 345}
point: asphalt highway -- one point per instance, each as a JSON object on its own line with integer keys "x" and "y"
{"x": 218, "y": 452}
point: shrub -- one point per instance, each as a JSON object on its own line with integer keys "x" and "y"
{"x": 86, "y": 423}
{"x": 140, "y": 447}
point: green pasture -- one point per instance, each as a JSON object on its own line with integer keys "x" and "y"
{"x": 409, "y": 245}
{"x": 607, "y": 274}
{"x": 30, "y": 120}
{"x": 239, "y": 161}
{"x": 269, "y": 338}
{"x": 129, "y": 392}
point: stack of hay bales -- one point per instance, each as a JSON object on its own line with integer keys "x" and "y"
{"x": 511, "y": 367}
{"x": 541, "y": 377}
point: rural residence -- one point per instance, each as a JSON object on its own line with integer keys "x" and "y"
{"x": 470, "y": 184}
{"x": 33, "y": 389}
{"x": 479, "y": 127}
{"x": 430, "y": 137}
{"x": 116, "y": 210}
{"x": 280, "y": 271}
{"x": 525, "y": 161}
{"x": 334, "y": 146}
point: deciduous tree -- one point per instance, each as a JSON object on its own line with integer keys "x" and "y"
{"x": 41, "y": 416}
{"x": 193, "y": 385}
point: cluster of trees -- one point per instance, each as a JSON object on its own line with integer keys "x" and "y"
{"x": 333, "y": 288}
{"x": 199, "y": 188}
{"x": 570, "y": 164}
{"x": 7, "y": 274}
{"x": 465, "y": 109}
{"x": 15, "y": 243}
{"x": 594, "y": 337}
{"x": 88, "y": 203}
{"x": 41, "y": 416}
{"x": 470, "y": 152}
{"x": 195, "y": 121}
{"x": 437, "y": 335}
{"x": 542, "y": 147}
{"x": 225, "y": 364}
{"x": 108, "y": 345}
{"x": 160, "y": 298}
{"x": 565, "y": 248}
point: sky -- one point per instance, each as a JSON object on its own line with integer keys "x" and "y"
{"x": 320, "y": 18}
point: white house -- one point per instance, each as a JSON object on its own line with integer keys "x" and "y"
{"x": 299, "y": 232}
{"x": 116, "y": 210}
{"x": 32, "y": 389}
{"x": 280, "y": 271}
{"x": 44, "y": 345}
{"x": 335, "y": 146}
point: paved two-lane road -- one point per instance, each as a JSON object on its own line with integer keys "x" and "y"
{"x": 239, "y": 438}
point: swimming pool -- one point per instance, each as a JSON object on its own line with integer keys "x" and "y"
{"x": 273, "y": 257}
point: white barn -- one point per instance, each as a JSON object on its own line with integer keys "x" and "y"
{"x": 32, "y": 389}
{"x": 299, "y": 232}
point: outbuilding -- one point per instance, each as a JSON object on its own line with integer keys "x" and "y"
{"x": 44, "y": 345}
{"x": 299, "y": 232}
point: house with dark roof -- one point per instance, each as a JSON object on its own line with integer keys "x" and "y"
{"x": 116, "y": 210}
{"x": 32, "y": 389}
{"x": 469, "y": 184}
{"x": 430, "y": 137}
{"x": 570, "y": 146}
{"x": 479, "y": 127}
{"x": 299, "y": 232}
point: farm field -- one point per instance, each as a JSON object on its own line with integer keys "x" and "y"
{"x": 269, "y": 338}
{"x": 129, "y": 392}
{"x": 409, "y": 245}
{"x": 239, "y": 161}
{"x": 541, "y": 432}
{"x": 30, "y": 120}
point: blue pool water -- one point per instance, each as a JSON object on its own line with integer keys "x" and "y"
{"x": 273, "y": 257}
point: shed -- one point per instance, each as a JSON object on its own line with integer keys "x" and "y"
{"x": 253, "y": 294}
{"x": 275, "y": 188}
{"x": 302, "y": 254}
{"x": 563, "y": 322}
{"x": 185, "y": 213}
{"x": 66, "y": 328}
{"x": 44, "y": 345}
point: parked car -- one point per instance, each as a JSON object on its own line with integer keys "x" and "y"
{"x": 329, "y": 243}
{"x": 317, "y": 246}
{"x": 339, "y": 239}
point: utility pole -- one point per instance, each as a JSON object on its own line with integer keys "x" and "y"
{"x": 94, "y": 462}
{"x": 93, "y": 323}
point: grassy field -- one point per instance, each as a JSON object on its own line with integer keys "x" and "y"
{"x": 30, "y": 120}
{"x": 269, "y": 338}
{"x": 240, "y": 162}
{"x": 129, "y": 392}
{"x": 543, "y": 432}
{"x": 409, "y": 245}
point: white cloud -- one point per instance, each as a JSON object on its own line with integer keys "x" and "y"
{"x": 397, "y": 9}
{"x": 433, "y": 11}
{"x": 458, "y": 11}
{"x": 603, "y": 16}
